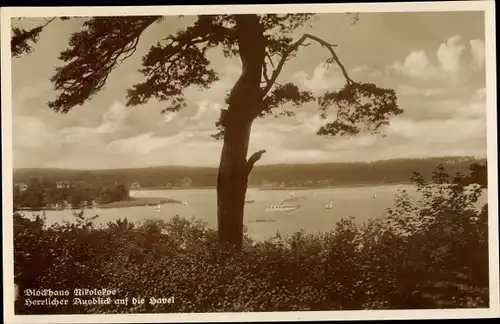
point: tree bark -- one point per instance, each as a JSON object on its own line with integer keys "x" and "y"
{"x": 232, "y": 185}
{"x": 245, "y": 102}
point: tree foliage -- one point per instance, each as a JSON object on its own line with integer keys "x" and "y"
{"x": 41, "y": 194}
{"x": 179, "y": 61}
{"x": 22, "y": 40}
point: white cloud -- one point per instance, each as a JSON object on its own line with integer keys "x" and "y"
{"x": 112, "y": 121}
{"x": 184, "y": 148}
{"x": 31, "y": 132}
{"x": 473, "y": 108}
{"x": 33, "y": 91}
{"x": 412, "y": 90}
{"x": 322, "y": 79}
{"x": 415, "y": 65}
{"x": 279, "y": 155}
{"x": 311, "y": 124}
{"x": 449, "y": 67}
{"x": 353, "y": 143}
{"x": 450, "y": 132}
{"x": 449, "y": 55}
{"x": 144, "y": 143}
{"x": 168, "y": 117}
{"x": 478, "y": 53}
{"x": 206, "y": 110}
{"x": 361, "y": 68}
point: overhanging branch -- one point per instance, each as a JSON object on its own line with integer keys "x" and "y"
{"x": 293, "y": 48}
{"x": 19, "y": 43}
{"x": 94, "y": 52}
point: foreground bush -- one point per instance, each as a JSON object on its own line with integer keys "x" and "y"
{"x": 428, "y": 254}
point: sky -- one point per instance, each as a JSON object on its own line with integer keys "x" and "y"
{"x": 434, "y": 60}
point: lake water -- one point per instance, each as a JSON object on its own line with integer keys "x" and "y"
{"x": 311, "y": 216}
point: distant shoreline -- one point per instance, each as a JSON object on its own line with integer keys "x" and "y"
{"x": 361, "y": 185}
{"x": 133, "y": 202}
{"x": 136, "y": 202}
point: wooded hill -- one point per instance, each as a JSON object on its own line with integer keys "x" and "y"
{"x": 393, "y": 171}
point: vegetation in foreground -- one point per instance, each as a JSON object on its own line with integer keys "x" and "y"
{"x": 430, "y": 254}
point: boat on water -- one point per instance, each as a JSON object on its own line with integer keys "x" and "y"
{"x": 374, "y": 196}
{"x": 249, "y": 201}
{"x": 185, "y": 203}
{"x": 263, "y": 221}
{"x": 158, "y": 207}
{"x": 329, "y": 205}
{"x": 281, "y": 208}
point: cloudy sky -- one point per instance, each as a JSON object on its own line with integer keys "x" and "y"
{"x": 435, "y": 61}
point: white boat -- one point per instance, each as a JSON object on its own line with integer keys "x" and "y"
{"x": 374, "y": 196}
{"x": 158, "y": 207}
{"x": 185, "y": 203}
{"x": 329, "y": 205}
{"x": 281, "y": 208}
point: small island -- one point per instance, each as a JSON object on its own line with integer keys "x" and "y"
{"x": 136, "y": 202}
{"x": 41, "y": 194}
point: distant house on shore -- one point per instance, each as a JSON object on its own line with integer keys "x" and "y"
{"x": 62, "y": 184}
{"x": 22, "y": 186}
{"x": 186, "y": 182}
{"x": 135, "y": 185}
{"x": 267, "y": 184}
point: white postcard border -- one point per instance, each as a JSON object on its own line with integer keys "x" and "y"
{"x": 6, "y": 114}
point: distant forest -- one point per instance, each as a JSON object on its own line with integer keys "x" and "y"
{"x": 395, "y": 171}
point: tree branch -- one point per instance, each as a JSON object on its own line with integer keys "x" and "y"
{"x": 19, "y": 43}
{"x": 180, "y": 62}
{"x": 293, "y": 48}
{"x": 94, "y": 52}
{"x": 270, "y": 60}
{"x": 253, "y": 159}
{"x": 48, "y": 22}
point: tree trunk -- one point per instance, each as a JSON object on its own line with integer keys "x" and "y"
{"x": 245, "y": 102}
{"x": 232, "y": 185}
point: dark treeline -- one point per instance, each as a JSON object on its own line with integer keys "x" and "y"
{"x": 290, "y": 175}
{"x": 42, "y": 193}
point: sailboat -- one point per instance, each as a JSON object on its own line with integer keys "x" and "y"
{"x": 329, "y": 205}
{"x": 158, "y": 207}
{"x": 185, "y": 203}
{"x": 374, "y": 196}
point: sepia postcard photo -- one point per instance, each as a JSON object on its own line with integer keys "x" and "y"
{"x": 249, "y": 163}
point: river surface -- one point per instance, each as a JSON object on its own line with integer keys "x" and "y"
{"x": 363, "y": 203}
